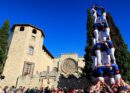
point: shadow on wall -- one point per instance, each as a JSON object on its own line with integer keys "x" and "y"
{"x": 72, "y": 82}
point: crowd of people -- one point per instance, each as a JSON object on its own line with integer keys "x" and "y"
{"x": 105, "y": 68}
{"x": 21, "y": 89}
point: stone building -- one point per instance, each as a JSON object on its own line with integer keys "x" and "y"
{"x": 29, "y": 63}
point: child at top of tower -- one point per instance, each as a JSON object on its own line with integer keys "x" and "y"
{"x": 101, "y": 14}
{"x": 99, "y": 11}
{"x": 94, "y": 13}
{"x": 103, "y": 17}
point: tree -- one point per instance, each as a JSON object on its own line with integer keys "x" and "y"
{"x": 122, "y": 54}
{"x": 87, "y": 71}
{"x": 4, "y": 34}
{"x": 1, "y": 58}
{"x": 1, "y": 54}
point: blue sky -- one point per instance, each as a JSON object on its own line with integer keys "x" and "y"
{"x": 63, "y": 21}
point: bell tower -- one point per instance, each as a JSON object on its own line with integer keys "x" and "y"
{"x": 26, "y": 42}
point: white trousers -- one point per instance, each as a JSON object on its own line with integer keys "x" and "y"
{"x": 117, "y": 76}
{"x": 106, "y": 34}
{"x": 95, "y": 17}
{"x": 107, "y": 31}
{"x": 105, "y": 58}
{"x": 104, "y": 17}
{"x": 100, "y": 35}
{"x": 98, "y": 54}
{"x": 112, "y": 80}
{"x": 96, "y": 34}
{"x": 112, "y": 52}
{"x": 94, "y": 41}
{"x": 94, "y": 59}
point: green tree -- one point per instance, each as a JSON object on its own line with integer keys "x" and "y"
{"x": 4, "y": 34}
{"x": 1, "y": 58}
{"x": 87, "y": 71}
{"x": 121, "y": 50}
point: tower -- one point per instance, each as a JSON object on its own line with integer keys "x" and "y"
{"x": 26, "y": 53}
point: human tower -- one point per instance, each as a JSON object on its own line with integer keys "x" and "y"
{"x": 104, "y": 66}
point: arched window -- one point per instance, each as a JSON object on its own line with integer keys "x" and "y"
{"x": 31, "y": 50}
{"x": 34, "y": 31}
{"x": 22, "y": 28}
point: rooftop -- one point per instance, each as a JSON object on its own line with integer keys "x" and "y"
{"x": 12, "y": 29}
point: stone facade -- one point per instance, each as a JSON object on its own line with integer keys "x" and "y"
{"x": 30, "y": 64}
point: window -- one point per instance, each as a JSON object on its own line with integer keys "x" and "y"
{"x": 34, "y": 31}
{"x": 28, "y": 68}
{"x": 33, "y": 38}
{"x": 31, "y": 50}
{"x": 21, "y": 28}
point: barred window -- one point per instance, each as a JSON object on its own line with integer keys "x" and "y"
{"x": 28, "y": 68}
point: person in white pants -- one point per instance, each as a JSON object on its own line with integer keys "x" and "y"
{"x": 103, "y": 14}
{"x": 100, "y": 35}
{"x": 94, "y": 58}
{"x": 98, "y": 54}
{"x": 93, "y": 39}
{"x": 105, "y": 58}
{"x": 106, "y": 32}
{"x": 105, "y": 54}
{"x": 96, "y": 34}
{"x": 117, "y": 75}
{"x": 111, "y": 50}
{"x": 94, "y": 14}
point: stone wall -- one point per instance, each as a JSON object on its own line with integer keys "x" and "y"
{"x": 18, "y": 56}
